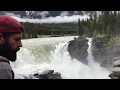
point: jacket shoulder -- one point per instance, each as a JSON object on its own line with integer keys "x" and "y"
{"x": 4, "y": 63}
{"x": 6, "y": 71}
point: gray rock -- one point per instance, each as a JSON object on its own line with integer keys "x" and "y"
{"x": 117, "y": 63}
{"x": 98, "y": 50}
{"x": 115, "y": 74}
{"x": 56, "y": 75}
{"x": 48, "y": 74}
{"x": 78, "y": 49}
{"x": 105, "y": 55}
{"x": 116, "y": 70}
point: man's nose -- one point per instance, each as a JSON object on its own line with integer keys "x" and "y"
{"x": 20, "y": 44}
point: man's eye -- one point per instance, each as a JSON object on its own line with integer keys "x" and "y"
{"x": 17, "y": 39}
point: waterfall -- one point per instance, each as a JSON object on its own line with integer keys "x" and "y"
{"x": 38, "y": 55}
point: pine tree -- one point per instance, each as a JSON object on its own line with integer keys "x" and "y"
{"x": 80, "y": 28}
{"x": 105, "y": 20}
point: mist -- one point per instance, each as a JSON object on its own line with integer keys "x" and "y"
{"x": 63, "y": 18}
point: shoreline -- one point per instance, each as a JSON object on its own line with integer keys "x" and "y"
{"x": 48, "y": 36}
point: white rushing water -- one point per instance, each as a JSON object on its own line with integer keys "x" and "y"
{"x": 41, "y": 54}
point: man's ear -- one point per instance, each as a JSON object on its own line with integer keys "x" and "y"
{"x": 1, "y": 38}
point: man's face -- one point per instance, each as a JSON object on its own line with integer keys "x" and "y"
{"x": 10, "y": 46}
{"x": 14, "y": 41}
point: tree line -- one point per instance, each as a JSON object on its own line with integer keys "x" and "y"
{"x": 32, "y": 30}
{"x": 107, "y": 23}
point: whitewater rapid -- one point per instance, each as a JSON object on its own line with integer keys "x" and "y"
{"x": 38, "y": 55}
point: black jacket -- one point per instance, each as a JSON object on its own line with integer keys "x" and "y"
{"x": 6, "y": 71}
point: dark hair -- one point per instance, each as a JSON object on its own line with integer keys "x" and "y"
{"x": 6, "y": 36}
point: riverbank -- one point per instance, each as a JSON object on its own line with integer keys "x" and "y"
{"x": 107, "y": 40}
{"x": 49, "y": 36}
{"x": 105, "y": 49}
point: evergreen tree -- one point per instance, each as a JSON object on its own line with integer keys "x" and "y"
{"x": 80, "y": 28}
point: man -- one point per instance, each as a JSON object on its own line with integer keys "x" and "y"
{"x": 10, "y": 43}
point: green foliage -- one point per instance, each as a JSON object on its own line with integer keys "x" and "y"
{"x": 107, "y": 22}
{"x": 107, "y": 39}
{"x": 32, "y": 30}
{"x": 104, "y": 27}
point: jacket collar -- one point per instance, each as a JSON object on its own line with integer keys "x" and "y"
{"x": 3, "y": 59}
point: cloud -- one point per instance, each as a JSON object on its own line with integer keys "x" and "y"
{"x": 75, "y": 12}
{"x": 64, "y": 19}
{"x": 12, "y": 14}
{"x": 58, "y": 19}
{"x": 64, "y": 13}
{"x": 43, "y": 14}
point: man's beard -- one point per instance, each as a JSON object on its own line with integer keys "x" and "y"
{"x": 7, "y": 52}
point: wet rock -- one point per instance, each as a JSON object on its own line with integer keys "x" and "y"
{"x": 117, "y": 63}
{"x": 48, "y": 74}
{"x": 78, "y": 49}
{"x": 105, "y": 55}
{"x": 115, "y": 74}
{"x": 98, "y": 50}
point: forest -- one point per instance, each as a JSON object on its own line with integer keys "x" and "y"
{"x": 33, "y": 30}
{"x": 103, "y": 27}
{"x": 108, "y": 23}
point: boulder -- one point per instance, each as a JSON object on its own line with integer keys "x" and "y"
{"x": 105, "y": 55}
{"x": 115, "y": 74}
{"x": 117, "y": 63}
{"x": 78, "y": 49}
{"x": 48, "y": 74}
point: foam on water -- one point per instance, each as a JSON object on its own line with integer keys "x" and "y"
{"x": 57, "y": 58}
